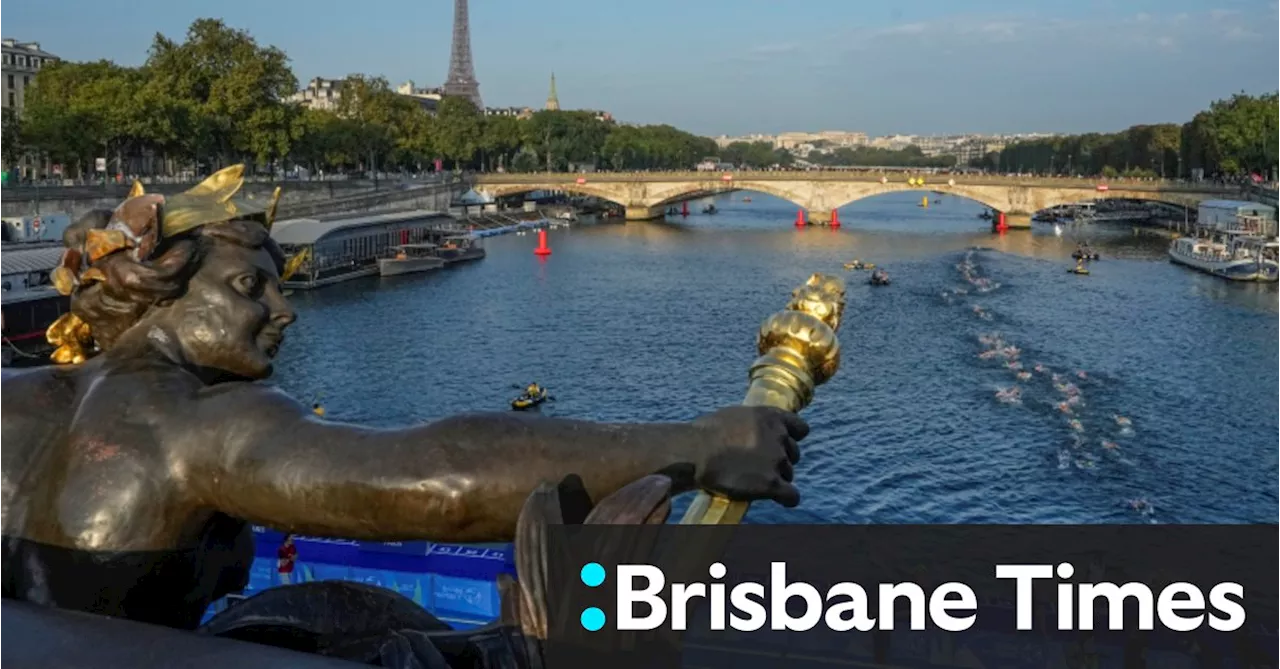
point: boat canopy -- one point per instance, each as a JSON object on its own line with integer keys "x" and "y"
{"x": 300, "y": 231}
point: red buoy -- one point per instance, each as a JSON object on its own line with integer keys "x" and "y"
{"x": 684, "y": 208}
{"x": 800, "y": 218}
{"x": 835, "y": 218}
{"x": 1001, "y": 225}
{"x": 543, "y": 249}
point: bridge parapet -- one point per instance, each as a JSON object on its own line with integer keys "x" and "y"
{"x": 930, "y": 179}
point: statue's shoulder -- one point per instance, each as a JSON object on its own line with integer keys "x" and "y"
{"x": 149, "y": 391}
{"x": 50, "y": 385}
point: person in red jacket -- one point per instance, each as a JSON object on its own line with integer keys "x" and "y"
{"x": 286, "y": 556}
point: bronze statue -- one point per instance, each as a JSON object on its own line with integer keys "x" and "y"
{"x": 131, "y": 471}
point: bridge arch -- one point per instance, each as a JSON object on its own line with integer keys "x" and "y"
{"x": 671, "y": 196}
{"x": 1022, "y": 201}
{"x": 497, "y": 191}
{"x": 985, "y": 199}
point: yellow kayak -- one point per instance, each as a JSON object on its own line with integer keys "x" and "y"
{"x": 529, "y": 401}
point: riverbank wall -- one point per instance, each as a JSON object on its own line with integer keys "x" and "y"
{"x": 297, "y": 198}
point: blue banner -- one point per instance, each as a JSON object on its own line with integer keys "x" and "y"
{"x": 463, "y": 597}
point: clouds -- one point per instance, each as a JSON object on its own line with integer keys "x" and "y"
{"x": 1029, "y": 67}
{"x": 1026, "y": 35}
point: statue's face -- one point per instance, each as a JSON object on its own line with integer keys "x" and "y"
{"x": 233, "y": 315}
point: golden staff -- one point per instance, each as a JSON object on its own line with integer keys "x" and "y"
{"x": 798, "y": 352}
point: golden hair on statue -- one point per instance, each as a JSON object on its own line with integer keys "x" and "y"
{"x": 210, "y": 201}
{"x": 71, "y": 337}
{"x": 271, "y": 208}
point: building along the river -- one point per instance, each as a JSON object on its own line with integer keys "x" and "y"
{"x": 343, "y": 246}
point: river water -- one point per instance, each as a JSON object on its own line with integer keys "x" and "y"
{"x": 656, "y": 322}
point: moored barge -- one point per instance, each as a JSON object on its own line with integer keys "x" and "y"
{"x": 343, "y": 246}
{"x": 30, "y": 304}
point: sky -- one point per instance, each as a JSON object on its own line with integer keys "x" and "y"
{"x": 745, "y": 66}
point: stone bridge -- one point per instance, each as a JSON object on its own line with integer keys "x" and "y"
{"x": 646, "y": 195}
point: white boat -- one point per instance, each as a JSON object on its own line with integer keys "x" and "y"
{"x": 410, "y": 258}
{"x": 1230, "y": 254}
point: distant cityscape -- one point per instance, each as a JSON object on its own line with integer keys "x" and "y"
{"x": 326, "y": 94}
{"x": 966, "y": 148}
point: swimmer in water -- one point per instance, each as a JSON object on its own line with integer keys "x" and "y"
{"x": 1040, "y": 368}
{"x": 1014, "y": 365}
{"x": 1110, "y": 445}
{"x": 1064, "y": 407}
{"x": 1142, "y": 506}
{"x": 1009, "y": 395}
{"x": 1074, "y": 400}
{"x": 1076, "y": 424}
{"x": 1024, "y": 376}
{"x": 1082, "y": 375}
{"x": 1123, "y": 422}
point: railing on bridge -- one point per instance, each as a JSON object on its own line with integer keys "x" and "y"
{"x": 930, "y": 179}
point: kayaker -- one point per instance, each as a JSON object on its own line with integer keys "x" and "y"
{"x": 317, "y": 409}
{"x": 532, "y": 391}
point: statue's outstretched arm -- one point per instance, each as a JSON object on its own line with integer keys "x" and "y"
{"x": 259, "y": 455}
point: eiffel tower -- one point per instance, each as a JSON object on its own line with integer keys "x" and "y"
{"x": 462, "y": 74}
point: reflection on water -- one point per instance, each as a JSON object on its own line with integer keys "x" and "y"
{"x": 655, "y": 321}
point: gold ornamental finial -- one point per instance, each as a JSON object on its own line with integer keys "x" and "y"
{"x": 799, "y": 351}
{"x": 137, "y": 189}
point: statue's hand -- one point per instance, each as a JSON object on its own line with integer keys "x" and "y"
{"x": 749, "y": 452}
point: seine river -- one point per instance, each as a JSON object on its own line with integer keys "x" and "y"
{"x": 656, "y": 322}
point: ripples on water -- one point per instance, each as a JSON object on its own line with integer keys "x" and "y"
{"x": 655, "y": 322}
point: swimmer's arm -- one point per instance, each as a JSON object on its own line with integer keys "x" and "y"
{"x": 459, "y": 479}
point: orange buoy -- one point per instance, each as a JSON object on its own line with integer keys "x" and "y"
{"x": 835, "y": 218}
{"x": 543, "y": 249}
{"x": 800, "y": 218}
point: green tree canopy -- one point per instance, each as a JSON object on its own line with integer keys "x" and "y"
{"x": 865, "y": 156}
